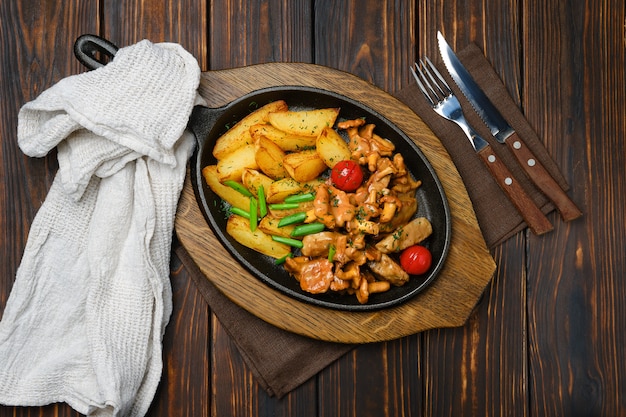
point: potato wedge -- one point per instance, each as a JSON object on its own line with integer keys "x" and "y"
{"x": 239, "y": 135}
{"x": 239, "y": 228}
{"x": 279, "y": 214}
{"x": 304, "y": 122}
{"x": 269, "y": 158}
{"x": 331, "y": 147}
{"x": 232, "y": 166}
{"x": 253, "y": 180}
{"x": 269, "y": 225}
{"x": 280, "y": 189}
{"x": 231, "y": 196}
{"x": 304, "y": 166}
{"x": 287, "y": 141}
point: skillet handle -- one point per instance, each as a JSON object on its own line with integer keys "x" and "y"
{"x": 86, "y": 47}
{"x": 202, "y": 120}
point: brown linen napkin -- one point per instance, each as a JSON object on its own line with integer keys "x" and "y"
{"x": 497, "y": 217}
{"x": 281, "y": 360}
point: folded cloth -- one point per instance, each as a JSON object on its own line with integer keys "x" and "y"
{"x": 85, "y": 319}
{"x": 263, "y": 346}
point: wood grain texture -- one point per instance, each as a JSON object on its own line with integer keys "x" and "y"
{"x": 186, "y": 341}
{"x": 380, "y": 379}
{"x": 30, "y": 64}
{"x": 446, "y": 302}
{"x": 185, "y": 22}
{"x": 547, "y": 337}
{"x": 247, "y": 32}
{"x": 482, "y": 366}
{"x": 576, "y": 296}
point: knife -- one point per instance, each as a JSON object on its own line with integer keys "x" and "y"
{"x": 504, "y": 133}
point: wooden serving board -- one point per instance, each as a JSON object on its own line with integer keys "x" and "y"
{"x": 447, "y": 302}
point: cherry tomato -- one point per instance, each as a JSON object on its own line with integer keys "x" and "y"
{"x": 347, "y": 175}
{"x": 416, "y": 259}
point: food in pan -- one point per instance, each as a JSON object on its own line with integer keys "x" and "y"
{"x": 329, "y": 199}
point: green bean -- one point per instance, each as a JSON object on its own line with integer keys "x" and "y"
{"x": 282, "y": 260}
{"x": 240, "y": 212}
{"x": 238, "y": 187}
{"x": 307, "y": 229}
{"x": 331, "y": 253}
{"x": 254, "y": 207}
{"x": 288, "y": 241}
{"x": 292, "y": 219}
{"x": 284, "y": 206}
{"x": 262, "y": 201}
{"x": 300, "y": 198}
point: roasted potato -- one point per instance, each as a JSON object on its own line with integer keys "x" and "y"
{"x": 304, "y": 122}
{"x": 304, "y": 166}
{"x": 239, "y": 228}
{"x": 269, "y": 225}
{"x": 231, "y": 167}
{"x": 239, "y": 134}
{"x": 253, "y": 180}
{"x": 281, "y": 189}
{"x": 269, "y": 158}
{"x": 331, "y": 147}
{"x": 279, "y": 214}
{"x": 287, "y": 141}
{"x": 231, "y": 196}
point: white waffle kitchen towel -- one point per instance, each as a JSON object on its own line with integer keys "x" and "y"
{"x": 85, "y": 319}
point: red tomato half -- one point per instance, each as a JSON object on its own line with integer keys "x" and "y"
{"x": 347, "y": 175}
{"x": 416, "y": 260}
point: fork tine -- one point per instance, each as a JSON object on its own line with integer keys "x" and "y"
{"x": 433, "y": 70}
{"x": 422, "y": 86}
{"x": 438, "y": 94}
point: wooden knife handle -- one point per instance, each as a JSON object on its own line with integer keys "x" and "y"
{"x": 542, "y": 178}
{"x": 533, "y": 216}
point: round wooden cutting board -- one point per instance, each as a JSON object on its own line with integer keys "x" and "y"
{"x": 447, "y": 302}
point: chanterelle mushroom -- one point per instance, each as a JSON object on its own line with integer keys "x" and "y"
{"x": 386, "y": 269}
{"x": 410, "y": 234}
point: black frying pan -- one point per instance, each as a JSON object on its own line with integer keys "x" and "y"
{"x": 209, "y": 124}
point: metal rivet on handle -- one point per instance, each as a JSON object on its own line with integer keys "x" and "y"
{"x": 517, "y": 144}
{"x": 531, "y": 162}
{"x": 491, "y": 158}
{"x": 508, "y": 181}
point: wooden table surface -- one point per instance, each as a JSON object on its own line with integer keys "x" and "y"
{"x": 547, "y": 338}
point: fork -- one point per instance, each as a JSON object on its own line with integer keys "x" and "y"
{"x": 443, "y": 101}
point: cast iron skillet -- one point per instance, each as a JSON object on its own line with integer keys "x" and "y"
{"x": 209, "y": 124}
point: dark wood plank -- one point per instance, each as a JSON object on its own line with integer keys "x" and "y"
{"x": 250, "y": 32}
{"x": 185, "y": 385}
{"x": 247, "y": 34}
{"x": 45, "y": 60}
{"x": 185, "y": 389}
{"x": 184, "y": 22}
{"x": 236, "y": 391}
{"x": 576, "y": 295}
{"x": 380, "y": 379}
{"x": 374, "y": 40}
{"x": 480, "y": 368}
{"x": 30, "y": 63}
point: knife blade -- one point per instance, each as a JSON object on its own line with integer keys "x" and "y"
{"x": 504, "y": 133}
